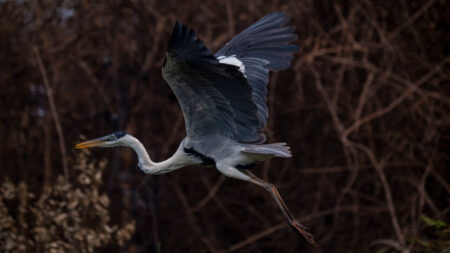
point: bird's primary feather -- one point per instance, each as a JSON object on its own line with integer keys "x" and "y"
{"x": 215, "y": 98}
{"x": 226, "y": 93}
{"x": 265, "y": 45}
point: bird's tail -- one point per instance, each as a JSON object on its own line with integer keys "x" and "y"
{"x": 280, "y": 149}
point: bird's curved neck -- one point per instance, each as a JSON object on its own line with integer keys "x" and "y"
{"x": 176, "y": 161}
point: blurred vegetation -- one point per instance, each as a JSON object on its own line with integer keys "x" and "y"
{"x": 365, "y": 108}
{"x": 64, "y": 217}
{"x": 438, "y": 235}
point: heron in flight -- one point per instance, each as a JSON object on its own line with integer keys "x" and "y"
{"x": 223, "y": 99}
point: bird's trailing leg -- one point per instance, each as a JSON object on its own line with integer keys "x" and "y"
{"x": 246, "y": 175}
{"x": 302, "y": 230}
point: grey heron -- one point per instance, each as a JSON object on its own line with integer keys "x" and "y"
{"x": 223, "y": 99}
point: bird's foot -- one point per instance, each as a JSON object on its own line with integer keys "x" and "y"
{"x": 298, "y": 227}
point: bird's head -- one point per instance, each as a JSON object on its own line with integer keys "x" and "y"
{"x": 112, "y": 140}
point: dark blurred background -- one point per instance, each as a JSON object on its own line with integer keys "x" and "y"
{"x": 364, "y": 107}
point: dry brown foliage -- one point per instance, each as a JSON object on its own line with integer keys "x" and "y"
{"x": 64, "y": 217}
{"x": 365, "y": 108}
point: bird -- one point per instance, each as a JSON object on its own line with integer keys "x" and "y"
{"x": 223, "y": 97}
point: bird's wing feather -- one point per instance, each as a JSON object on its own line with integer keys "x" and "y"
{"x": 263, "y": 46}
{"x": 215, "y": 98}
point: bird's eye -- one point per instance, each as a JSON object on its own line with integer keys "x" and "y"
{"x": 112, "y": 138}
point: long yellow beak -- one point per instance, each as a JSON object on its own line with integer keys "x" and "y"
{"x": 90, "y": 144}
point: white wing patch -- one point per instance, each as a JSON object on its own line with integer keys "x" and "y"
{"x": 232, "y": 60}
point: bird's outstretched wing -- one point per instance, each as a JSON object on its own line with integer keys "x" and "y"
{"x": 263, "y": 46}
{"x": 215, "y": 98}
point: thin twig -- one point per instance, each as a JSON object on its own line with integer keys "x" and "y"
{"x": 51, "y": 102}
{"x": 210, "y": 195}
{"x": 413, "y": 18}
{"x": 396, "y": 102}
{"x": 363, "y": 96}
{"x": 282, "y": 225}
{"x": 387, "y": 191}
{"x": 230, "y": 18}
{"x": 191, "y": 218}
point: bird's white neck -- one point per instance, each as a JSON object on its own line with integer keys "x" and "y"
{"x": 178, "y": 160}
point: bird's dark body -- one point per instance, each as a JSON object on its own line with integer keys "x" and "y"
{"x": 210, "y": 162}
{"x": 206, "y": 161}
